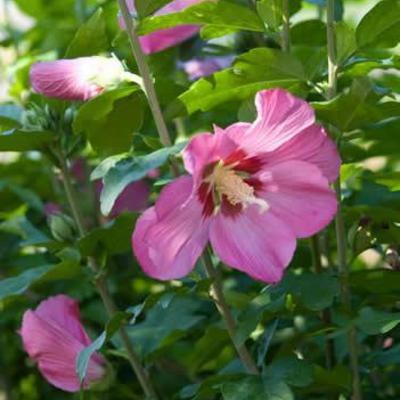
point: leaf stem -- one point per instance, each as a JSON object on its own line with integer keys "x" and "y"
{"x": 339, "y": 222}
{"x": 166, "y": 141}
{"x": 102, "y": 286}
{"x": 286, "y": 26}
{"x": 217, "y": 294}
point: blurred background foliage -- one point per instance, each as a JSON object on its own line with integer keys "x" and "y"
{"x": 178, "y": 332}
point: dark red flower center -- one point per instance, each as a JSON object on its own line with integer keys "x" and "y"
{"x": 229, "y": 185}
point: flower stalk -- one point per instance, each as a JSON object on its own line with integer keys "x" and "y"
{"x": 217, "y": 292}
{"x": 339, "y": 222}
{"x": 102, "y": 286}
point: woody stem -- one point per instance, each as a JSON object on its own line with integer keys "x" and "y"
{"x": 102, "y": 286}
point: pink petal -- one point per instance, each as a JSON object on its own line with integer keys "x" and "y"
{"x": 258, "y": 244}
{"x": 51, "y": 208}
{"x": 281, "y": 116}
{"x": 75, "y": 79}
{"x": 134, "y": 198}
{"x": 312, "y": 145}
{"x": 63, "y": 312}
{"x": 52, "y": 341}
{"x": 299, "y": 195}
{"x": 165, "y": 38}
{"x": 169, "y": 238}
{"x": 204, "y": 149}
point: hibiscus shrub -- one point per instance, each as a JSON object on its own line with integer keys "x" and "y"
{"x": 200, "y": 199}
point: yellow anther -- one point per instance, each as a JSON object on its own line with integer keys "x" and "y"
{"x": 226, "y": 182}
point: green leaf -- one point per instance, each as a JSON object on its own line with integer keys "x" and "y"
{"x": 271, "y": 13}
{"x": 309, "y": 33}
{"x": 148, "y": 7}
{"x": 127, "y": 169}
{"x": 114, "y": 237}
{"x": 346, "y": 43}
{"x": 293, "y": 371}
{"x": 380, "y": 27}
{"x": 258, "y": 69}
{"x": 383, "y": 137}
{"x": 357, "y": 108}
{"x": 22, "y": 227}
{"x": 375, "y": 322}
{"x": 83, "y": 359}
{"x": 90, "y": 39}
{"x": 377, "y": 281}
{"x": 110, "y": 119}
{"x": 389, "y": 179}
{"x": 255, "y": 388}
{"x": 10, "y": 116}
{"x": 337, "y": 378}
{"x": 223, "y": 14}
{"x": 20, "y": 140}
{"x": 165, "y": 323}
{"x": 19, "y": 284}
{"x": 314, "y": 291}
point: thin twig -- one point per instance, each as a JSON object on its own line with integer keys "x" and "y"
{"x": 285, "y": 26}
{"x": 217, "y": 294}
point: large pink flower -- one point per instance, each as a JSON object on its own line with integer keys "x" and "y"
{"x": 53, "y": 336}
{"x": 77, "y": 79}
{"x": 252, "y": 190}
{"x": 165, "y": 38}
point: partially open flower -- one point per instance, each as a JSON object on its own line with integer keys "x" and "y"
{"x": 77, "y": 79}
{"x": 198, "y": 68}
{"x": 53, "y": 336}
{"x": 252, "y": 190}
{"x": 165, "y": 38}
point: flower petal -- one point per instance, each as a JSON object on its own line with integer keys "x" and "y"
{"x": 312, "y": 145}
{"x": 204, "y": 149}
{"x": 55, "y": 350}
{"x": 299, "y": 195}
{"x": 281, "y": 116}
{"x": 258, "y": 244}
{"x": 75, "y": 79}
{"x": 165, "y": 38}
{"x": 62, "y": 311}
{"x": 169, "y": 238}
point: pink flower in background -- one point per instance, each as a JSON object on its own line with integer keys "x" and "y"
{"x": 252, "y": 190}
{"x": 51, "y": 208}
{"x": 165, "y": 38}
{"x": 53, "y": 336}
{"x": 134, "y": 198}
{"x": 197, "y": 68}
{"x": 76, "y": 79}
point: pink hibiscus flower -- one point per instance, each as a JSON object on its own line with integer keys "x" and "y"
{"x": 53, "y": 336}
{"x": 77, "y": 79}
{"x": 252, "y": 190}
{"x": 165, "y": 38}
